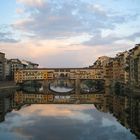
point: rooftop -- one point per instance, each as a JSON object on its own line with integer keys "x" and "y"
{"x": 2, "y": 53}
{"x": 62, "y": 68}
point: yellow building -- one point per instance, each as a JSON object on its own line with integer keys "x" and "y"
{"x": 56, "y": 73}
{"x": 34, "y": 74}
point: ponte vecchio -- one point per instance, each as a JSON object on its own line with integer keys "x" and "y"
{"x": 75, "y": 80}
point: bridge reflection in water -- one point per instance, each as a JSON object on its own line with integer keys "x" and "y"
{"x": 125, "y": 108}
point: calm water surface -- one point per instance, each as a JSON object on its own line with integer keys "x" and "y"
{"x": 62, "y": 122}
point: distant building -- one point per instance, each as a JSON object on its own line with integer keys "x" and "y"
{"x": 119, "y": 67}
{"x": 15, "y": 64}
{"x": 103, "y": 64}
{"x": 29, "y": 65}
{"x": 7, "y": 74}
{"x": 134, "y": 66}
{"x": 2, "y": 61}
{"x": 100, "y": 62}
{"x": 108, "y": 72}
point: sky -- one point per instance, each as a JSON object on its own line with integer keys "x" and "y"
{"x": 68, "y": 33}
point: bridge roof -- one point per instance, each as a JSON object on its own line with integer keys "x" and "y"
{"x": 62, "y": 68}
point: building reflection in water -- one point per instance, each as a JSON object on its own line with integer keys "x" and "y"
{"x": 126, "y": 108}
{"x": 6, "y": 102}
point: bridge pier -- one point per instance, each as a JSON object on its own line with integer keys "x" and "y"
{"x": 77, "y": 86}
{"x": 46, "y": 86}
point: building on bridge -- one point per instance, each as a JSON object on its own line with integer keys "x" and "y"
{"x": 57, "y": 73}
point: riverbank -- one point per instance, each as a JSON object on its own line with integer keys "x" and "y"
{"x": 7, "y": 84}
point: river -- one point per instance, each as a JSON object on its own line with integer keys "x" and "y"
{"x": 34, "y": 116}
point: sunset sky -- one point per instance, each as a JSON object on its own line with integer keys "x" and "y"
{"x": 67, "y": 33}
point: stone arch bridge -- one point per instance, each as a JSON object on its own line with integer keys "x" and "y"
{"x": 74, "y": 80}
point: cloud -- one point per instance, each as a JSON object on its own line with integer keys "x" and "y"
{"x": 7, "y": 37}
{"x": 60, "y": 111}
{"x": 97, "y": 39}
{"x": 31, "y": 2}
{"x": 58, "y": 33}
{"x": 61, "y": 122}
{"x": 59, "y": 18}
{"x": 50, "y": 55}
{"x": 50, "y": 22}
{"x": 133, "y": 36}
{"x": 110, "y": 39}
{"x": 98, "y": 9}
{"x": 19, "y": 10}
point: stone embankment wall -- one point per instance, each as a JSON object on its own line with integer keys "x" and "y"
{"x": 7, "y": 84}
